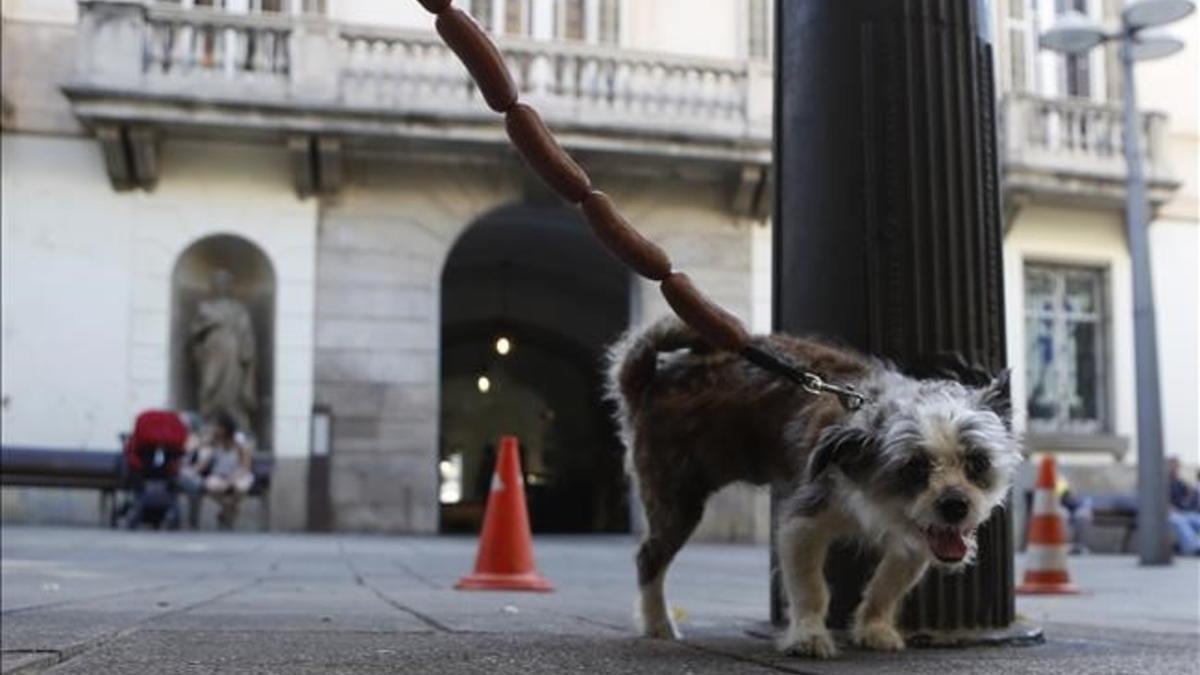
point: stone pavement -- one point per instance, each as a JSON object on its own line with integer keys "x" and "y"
{"x": 96, "y": 601}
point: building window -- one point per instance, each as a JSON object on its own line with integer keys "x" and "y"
{"x": 758, "y": 25}
{"x": 1078, "y": 67}
{"x": 1065, "y": 349}
{"x": 1020, "y": 57}
{"x": 609, "y": 24}
{"x": 517, "y": 19}
{"x": 569, "y": 20}
{"x": 592, "y": 21}
{"x": 481, "y": 11}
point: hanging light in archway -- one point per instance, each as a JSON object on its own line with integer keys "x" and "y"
{"x": 484, "y": 384}
{"x": 503, "y": 345}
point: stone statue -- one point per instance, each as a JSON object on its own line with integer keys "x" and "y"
{"x": 222, "y": 341}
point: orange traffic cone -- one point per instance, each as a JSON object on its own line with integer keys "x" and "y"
{"x": 505, "y": 559}
{"x": 1046, "y": 555}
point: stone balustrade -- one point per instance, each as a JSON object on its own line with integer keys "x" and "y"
{"x": 308, "y": 61}
{"x": 1078, "y": 138}
{"x": 579, "y": 84}
{"x": 199, "y": 42}
{"x": 142, "y": 66}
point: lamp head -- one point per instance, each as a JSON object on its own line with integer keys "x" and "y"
{"x": 1144, "y": 47}
{"x": 1073, "y": 33}
{"x": 1148, "y": 13}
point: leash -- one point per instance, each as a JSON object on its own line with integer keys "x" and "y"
{"x": 559, "y": 171}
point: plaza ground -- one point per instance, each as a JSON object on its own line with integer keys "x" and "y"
{"x": 97, "y": 601}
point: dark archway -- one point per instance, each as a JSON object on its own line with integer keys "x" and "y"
{"x": 535, "y": 276}
{"x": 254, "y": 285}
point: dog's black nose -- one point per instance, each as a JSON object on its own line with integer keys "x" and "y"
{"x": 952, "y": 507}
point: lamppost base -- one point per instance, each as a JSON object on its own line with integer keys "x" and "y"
{"x": 1018, "y": 634}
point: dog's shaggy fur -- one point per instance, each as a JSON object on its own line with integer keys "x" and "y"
{"x": 913, "y": 472}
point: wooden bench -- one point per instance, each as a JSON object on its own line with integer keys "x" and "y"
{"x": 73, "y": 469}
{"x": 1116, "y": 511}
{"x": 1109, "y": 511}
{"x": 102, "y": 470}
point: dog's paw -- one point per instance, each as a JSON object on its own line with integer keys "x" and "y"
{"x": 879, "y": 636}
{"x": 812, "y": 643}
{"x": 661, "y": 630}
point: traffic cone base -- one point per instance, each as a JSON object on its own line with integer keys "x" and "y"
{"x": 1043, "y": 582}
{"x": 1046, "y": 555}
{"x": 505, "y": 558}
{"x": 484, "y": 581}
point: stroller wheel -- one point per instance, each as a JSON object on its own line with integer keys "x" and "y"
{"x": 171, "y": 520}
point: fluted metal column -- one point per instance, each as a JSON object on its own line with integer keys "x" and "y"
{"x": 887, "y": 225}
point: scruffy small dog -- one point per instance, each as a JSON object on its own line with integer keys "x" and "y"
{"x": 912, "y": 472}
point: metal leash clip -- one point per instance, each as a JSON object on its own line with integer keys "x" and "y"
{"x": 850, "y": 397}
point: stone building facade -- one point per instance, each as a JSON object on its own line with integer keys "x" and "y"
{"x": 340, "y": 142}
{"x": 343, "y": 142}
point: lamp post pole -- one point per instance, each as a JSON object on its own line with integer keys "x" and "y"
{"x": 1075, "y": 33}
{"x": 1153, "y": 548}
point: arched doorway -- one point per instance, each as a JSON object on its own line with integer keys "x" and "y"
{"x": 252, "y": 283}
{"x": 530, "y": 302}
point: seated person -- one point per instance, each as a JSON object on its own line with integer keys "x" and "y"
{"x": 1183, "y": 513}
{"x": 1079, "y": 514}
{"x": 227, "y": 471}
{"x": 196, "y": 459}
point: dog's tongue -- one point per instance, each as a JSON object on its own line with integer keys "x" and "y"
{"x": 948, "y": 544}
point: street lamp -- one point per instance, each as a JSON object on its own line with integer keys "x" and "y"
{"x": 1074, "y": 33}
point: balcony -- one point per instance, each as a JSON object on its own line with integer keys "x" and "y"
{"x": 329, "y": 89}
{"x": 1072, "y": 152}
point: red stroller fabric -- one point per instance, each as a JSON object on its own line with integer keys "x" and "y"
{"x": 156, "y": 429}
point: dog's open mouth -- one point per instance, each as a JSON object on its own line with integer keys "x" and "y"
{"x": 949, "y": 544}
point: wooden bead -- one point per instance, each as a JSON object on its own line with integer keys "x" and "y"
{"x": 720, "y": 328}
{"x": 544, "y": 155}
{"x": 644, "y": 256}
{"x": 477, "y": 52}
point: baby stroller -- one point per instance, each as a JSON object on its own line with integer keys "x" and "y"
{"x": 152, "y": 456}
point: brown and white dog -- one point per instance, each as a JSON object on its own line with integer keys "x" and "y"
{"x": 913, "y": 472}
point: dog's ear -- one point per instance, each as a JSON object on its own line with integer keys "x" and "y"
{"x": 997, "y": 397}
{"x": 947, "y": 365}
{"x": 847, "y": 448}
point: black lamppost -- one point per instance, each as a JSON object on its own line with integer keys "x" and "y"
{"x": 888, "y": 233}
{"x": 1076, "y": 34}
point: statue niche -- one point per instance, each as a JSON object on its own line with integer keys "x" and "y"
{"x": 223, "y": 309}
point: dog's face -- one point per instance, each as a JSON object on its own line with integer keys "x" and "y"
{"x": 928, "y": 461}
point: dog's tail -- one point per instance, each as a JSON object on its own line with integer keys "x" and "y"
{"x": 632, "y": 361}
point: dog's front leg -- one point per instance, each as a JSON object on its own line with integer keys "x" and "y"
{"x": 875, "y": 618}
{"x": 803, "y": 543}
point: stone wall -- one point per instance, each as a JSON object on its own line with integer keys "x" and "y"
{"x": 87, "y": 286}
{"x": 382, "y": 244}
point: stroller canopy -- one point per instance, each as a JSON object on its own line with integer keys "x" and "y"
{"x": 155, "y": 429}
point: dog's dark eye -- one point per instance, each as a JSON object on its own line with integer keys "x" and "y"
{"x": 915, "y": 472}
{"x": 978, "y": 465}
